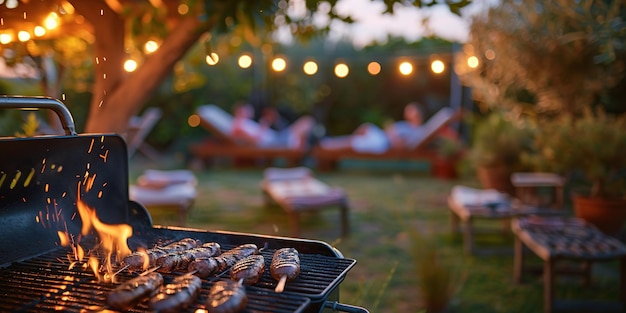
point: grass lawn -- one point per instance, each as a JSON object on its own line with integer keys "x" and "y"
{"x": 395, "y": 217}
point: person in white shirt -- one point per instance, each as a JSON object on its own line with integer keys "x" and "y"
{"x": 369, "y": 138}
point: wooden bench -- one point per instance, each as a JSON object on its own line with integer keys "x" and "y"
{"x": 296, "y": 191}
{"x": 556, "y": 239}
{"x": 468, "y": 204}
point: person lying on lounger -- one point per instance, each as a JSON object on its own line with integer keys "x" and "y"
{"x": 370, "y": 138}
{"x": 245, "y": 129}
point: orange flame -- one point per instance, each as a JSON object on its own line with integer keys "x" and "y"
{"x": 113, "y": 239}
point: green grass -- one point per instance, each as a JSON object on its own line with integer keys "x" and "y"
{"x": 388, "y": 208}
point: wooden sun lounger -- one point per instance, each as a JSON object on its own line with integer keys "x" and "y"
{"x": 327, "y": 159}
{"x": 218, "y": 122}
{"x": 296, "y": 191}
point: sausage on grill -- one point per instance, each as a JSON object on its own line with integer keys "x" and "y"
{"x": 226, "y": 296}
{"x": 285, "y": 266}
{"x": 249, "y": 269}
{"x": 208, "y": 266}
{"x": 136, "y": 260}
{"x": 179, "y": 261}
{"x": 177, "y": 295}
{"x": 131, "y": 292}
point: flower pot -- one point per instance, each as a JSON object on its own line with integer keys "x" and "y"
{"x": 607, "y": 214}
{"x": 444, "y": 168}
{"x": 496, "y": 177}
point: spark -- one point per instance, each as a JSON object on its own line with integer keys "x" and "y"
{"x": 101, "y": 102}
{"x": 63, "y": 97}
{"x": 105, "y": 155}
{"x": 104, "y": 76}
{"x": 18, "y": 174}
{"x": 97, "y": 60}
{"x": 90, "y": 146}
{"x": 2, "y": 178}
{"x": 101, "y": 12}
{"x": 29, "y": 177}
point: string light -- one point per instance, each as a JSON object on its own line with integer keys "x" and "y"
{"x": 5, "y": 38}
{"x": 130, "y": 65}
{"x": 437, "y": 66}
{"x": 212, "y": 58}
{"x": 472, "y": 62}
{"x": 151, "y": 46}
{"x": 39, "y": 31}
{"x": 405, "y": 68}
{"x": 23, "y": 36}
{"x": 245, "y": 61}
{"x": 310, "y": 68}
{"x": 374, "y": 68}
{"x": 279, "y": 64}
{"x": 342, "y": 70}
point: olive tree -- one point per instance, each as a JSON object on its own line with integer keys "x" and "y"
{"x": 551, "y": 56}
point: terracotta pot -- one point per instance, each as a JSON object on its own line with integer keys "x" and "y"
{"x": 444, "y": 168}
{"x": 606, "y": 214}
{"x": 496, "y": 177}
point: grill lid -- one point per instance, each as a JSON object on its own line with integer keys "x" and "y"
{"x": 41, "y": 179}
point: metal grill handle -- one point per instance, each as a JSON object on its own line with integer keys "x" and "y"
{"x": 36, "y": 103}
{"x": 336, "y": 306}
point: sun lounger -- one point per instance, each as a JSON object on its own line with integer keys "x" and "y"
{"x": 218, "y": 122}
{"x": 296, "y": 191}
{"x": 328, "y": 159}
{"x": 168, "y": 189}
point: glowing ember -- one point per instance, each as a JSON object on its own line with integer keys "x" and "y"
{"x": 65, "y": 239}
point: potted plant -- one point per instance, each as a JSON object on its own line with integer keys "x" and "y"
{"x": 449, "y": 152}
{"x": 499, "y": 145}
{"x": 592, "y": 146}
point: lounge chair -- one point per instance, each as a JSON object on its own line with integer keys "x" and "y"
{"x": 138, "y": 129}
{"x": 219, "y": 122}
{"x": 327, "y": 159}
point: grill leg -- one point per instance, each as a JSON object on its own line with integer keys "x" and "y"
{"x": 548, "y": 285}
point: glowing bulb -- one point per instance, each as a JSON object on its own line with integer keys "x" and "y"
{"x": 310, "y": 68}
{"x": 342, "y": 70}
{"x": 437, "y": 67}
{"x": 151, "y": 46}
{"x": 5, "y": 38}
{"x": 373, "y": 68}
{"x": 279, "y": 64}
{"x": 245, "y": 61}
{"x": 52, "y": 21}
{"x": 212, "y": 58}
{"x": 130, "y": 65}
{"x": 472, "y": 62}
{"x": 405, "y": 68}
{"x": 39, "y": 31}
{"x": 23, "y": 36}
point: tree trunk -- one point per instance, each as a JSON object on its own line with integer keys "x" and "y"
{"x": 117, "y": 95}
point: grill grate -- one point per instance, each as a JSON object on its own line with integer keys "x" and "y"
{"x": 46, "y": 282}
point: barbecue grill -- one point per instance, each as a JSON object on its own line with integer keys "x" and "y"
{"x": 44, "y": 182}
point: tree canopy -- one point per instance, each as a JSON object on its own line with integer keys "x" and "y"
{"x": 104, "y": 32}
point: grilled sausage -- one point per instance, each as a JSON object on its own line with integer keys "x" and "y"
{"x": 131, "y": 292}
{"x": 179, "y": 261}
{"x": 208, "y": 266}
{"x": 249, "y": 269}
{"x": 177, "y": 295}
{"x": 285, "y": 266}
{"x": 136, "y": 260}
{"x": 226, "y": 296}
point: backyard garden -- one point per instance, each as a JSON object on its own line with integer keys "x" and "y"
{"x": 400, "y": 236}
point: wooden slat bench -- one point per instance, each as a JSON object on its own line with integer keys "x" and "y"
{"x": 558, "y": 238}
{"x": 468, "y": 204}
{"x": 295, "y": 190}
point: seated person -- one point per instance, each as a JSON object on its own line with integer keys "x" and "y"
{"x": 370, "y": 138}
{"x": 245, "y": 129}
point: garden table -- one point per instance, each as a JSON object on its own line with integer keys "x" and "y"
{"x": 566, "y": 238}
